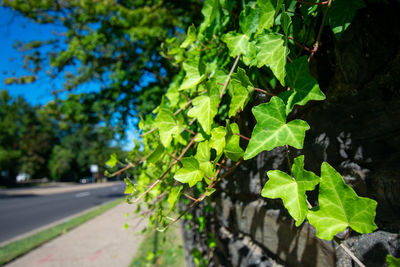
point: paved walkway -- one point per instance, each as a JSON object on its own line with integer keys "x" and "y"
{"x": 100, "y": 242}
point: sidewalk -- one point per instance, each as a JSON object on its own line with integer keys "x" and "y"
{"x": 100, "y": 242}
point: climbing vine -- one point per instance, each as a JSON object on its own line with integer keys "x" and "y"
{"x": 245, "y": 54}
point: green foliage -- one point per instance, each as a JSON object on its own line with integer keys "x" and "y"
{"x": 272, "y": 130}
{"x": 340, "y": 207}
{"x": 292, "y": 190}
{"x": 392, "y": 261}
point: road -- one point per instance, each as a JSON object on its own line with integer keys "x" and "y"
{"x": 20, "y": 214}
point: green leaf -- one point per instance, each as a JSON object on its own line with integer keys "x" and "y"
{"x": 190, "y": 37}
{"x": 341, "y": 14}
{"x": 173, "y": 197}
{"x": 267, "y": 15}
{"x": 292, "y": 191}
{"x": 156, "y": 154}
{"x": 248, "y": 20}
{"x": 130, "y": 187}
{"x": 217, "y": 140}
{"x": 239, "y": 90}
{"x": 210, "y": 11}
{"x": 194, "y": 76}
{"x": 238, "y": 44}
{"x": 167, "y": 125}
{"x": 304, "y": 86}
{"x": 392, "y": 261}
{"x": 190, "y": 172}
{"x": 272, "y": 52}
{"x": 112, "y": 161}
{"x": 203, "y": 155}
{"x": 340, "y": 207}
{"x": 272, "y": 130}
{"x": 232, "y": 149}
{"x": 285, "y": 22}
{"x": 205, "y": 107}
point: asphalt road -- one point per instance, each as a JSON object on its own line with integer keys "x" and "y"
{"x": 21, "y": 214}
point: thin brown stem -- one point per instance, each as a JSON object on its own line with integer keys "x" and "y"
{"x": 348, "y": 251}
{"x": 211, "y": 185}
{"x": 167, "y": 171}
{"x": 188, "y": 130}
{"x": 321, "y": 28}
{"x": 263, "y": 91}
{"x": 230, "y": 171}
{"x": 130, "y": 165}
{"x": 312, "y": 3}
{"x": 242, "y": 136}
{"x": 190, "y": 197}
{"x": 148, "y": 132}
{"x": 299, "y": 44}
{"x": 229, "y": 76}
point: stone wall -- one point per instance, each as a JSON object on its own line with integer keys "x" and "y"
{"x": 356, "y": 130}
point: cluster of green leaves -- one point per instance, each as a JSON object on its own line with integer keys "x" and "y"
{"x": 240, "y": 47}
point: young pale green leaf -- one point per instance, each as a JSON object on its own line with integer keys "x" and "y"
{"x": 292, "y": 191}
{"x": 112, "y": 161}
{"x": 340, "y": 207}
{"x": 272, "y": 130}
{"x": 232, "y": 149}
{"x": 130, "y": 187}
{"x": 156, "y": 154}
{"x": 238, "y": 44}
{"x": 304, "y": 86}
{"x": 167, "y": 125}
{"x": 392, "y": 261}
{"x": 190, "y": 37}
{"x": 173, "y": 197}
{"x": 267, "y": 15}
{"x": 239, "y": 88}
{"x": 190, "y": 172}
{"x": 341, "y": 14}
{"x": 272, "y": 52}
{"x": 205, "y": 107}
{"x": 203, "y": 155}
{"x": 194, "y": 75}
{"x": 248, "y": 20}
{"x": 217, "y": 140}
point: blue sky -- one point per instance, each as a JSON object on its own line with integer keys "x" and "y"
{"x": 16, "y": 27}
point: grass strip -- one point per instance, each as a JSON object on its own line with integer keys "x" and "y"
{"x": 161, "y": 249}
{"x": 22, "y": 246}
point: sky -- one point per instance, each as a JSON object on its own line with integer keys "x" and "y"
{"x": 16, "y": 27}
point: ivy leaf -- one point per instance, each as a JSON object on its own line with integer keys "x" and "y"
{"x": 340, "y": 207}
{"x": 156, "y": 154}
{"x": 217, "y": 140}
{"x": 173, "y": 197}
{"x": 292, "y": 191}
{"x": 205, "y": 107}
{"x": 239, "y": 90}
{"x": 210, "y": 11}
{"x": 112, "y": 161}
{"x": 305, "y": 87}
{"x": 167, "y": 125}
{"x": 392, "y": 261}
{"x": 130, "y": 187}
{"x": 272, "y": 130}
{"x": 203, "y": 155}
{"x": 190, "y": 172}
{"x": 341, "y": 14}
{"x": 285, "y": 22}
{"x": 238, "y": 44}
{"x": 190, "y": 37}
{"x": 267, "y": 15}
{"x": 272, "y": 52}
{"x": 232, "y": 149}
{"x": 248, "y": 20}
{"x": 193, "y": 68}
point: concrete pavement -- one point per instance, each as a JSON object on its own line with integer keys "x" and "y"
{"x": 100, "y": 242}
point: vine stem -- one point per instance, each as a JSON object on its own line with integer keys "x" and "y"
{"x": 349, "y": 252}
{"x": 229, "y": 76}
{"x": 321, "y": 28}
{"x": 130, "y": 165}
{"x": 264, "y": 91}
{"x": 313, "y": 4}
{"x": 242, "y": 136}
{"x": 167, "y": 171}
{"x": 299, "y": 44}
